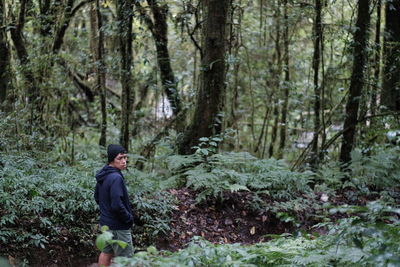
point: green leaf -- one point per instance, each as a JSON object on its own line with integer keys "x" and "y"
{"x": 152, "y": 250}
{"x": 238, "y": 187}
{"x": 120, "y": 243}
{"x": 103, "y": 239}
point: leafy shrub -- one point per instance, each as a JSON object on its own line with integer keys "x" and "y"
{"x": 152, "y": 206}
{"x": 239, "y": 171}
{"x": 42, "y": 203}
{"x": 380, "y": 170}
{"x": 356, "y": 241}
{"x": 45, "y": 202}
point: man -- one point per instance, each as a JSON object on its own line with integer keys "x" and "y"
{"x": 115, "y": 211}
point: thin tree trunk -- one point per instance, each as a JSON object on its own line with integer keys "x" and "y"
{"x": 4, "y": 56}
{"x": 158, "y": 27}
{"x": 286, "y": 85}
{"x": 160, "y": 36}
{"x": 101, "y": 75}
{"x": 317, "y": 91}
{"x": 260, "y": 138}
{"x": 124, "y": 17}
{"x": 207, "y": 119}
{"x": 377, "y": 60}
{"x": 32, "y": 90}
{"x": 357, "y": 78}
{"x": 390, "y": 97}
{"x": 276, "y": 73}
{"x": 274, "y": 127}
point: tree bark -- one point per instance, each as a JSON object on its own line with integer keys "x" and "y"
{"x": 391, "y": 54}
{"x": 124, "y": 17}
{"x": 101, "y": 75}
{"x": 286, "y": 84}
{"x": 377, "y": 59}
{"x": 4, "y": 56}
{"x": 33, "y": 91}
{"x": 276, "y": 74}
{"x": 159, "y": 30}
{"x": 207, "y": 119}
{"x": 357, "y": 78}
{"x": 317, "y": 91}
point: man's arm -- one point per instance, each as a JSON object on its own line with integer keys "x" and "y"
{"x": 96, "y": 193}
{"x": 117, "y": 205}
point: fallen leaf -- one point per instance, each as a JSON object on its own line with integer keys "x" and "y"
{"x": 11, "y": 260}
{"x": 228, "y": 221}
{"x": 253, "y": 230}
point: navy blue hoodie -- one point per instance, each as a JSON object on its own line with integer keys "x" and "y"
{"x": 112, "y": 197}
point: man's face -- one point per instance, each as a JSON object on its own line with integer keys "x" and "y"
{"x": 120, "y": 161}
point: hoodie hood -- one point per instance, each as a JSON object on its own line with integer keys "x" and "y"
{"x": 106, "y": 170}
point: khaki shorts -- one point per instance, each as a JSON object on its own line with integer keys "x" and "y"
{"x": 115, "y": 249}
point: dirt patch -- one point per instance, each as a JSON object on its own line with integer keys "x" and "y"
{"x": 228, "y": 222}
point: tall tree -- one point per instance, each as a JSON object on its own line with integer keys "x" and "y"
{"x": 315, "y": 64}
{"x": 4, "y": 55}
{"x": 207, "y": 120}
{"x": 159, "y": 30}
{"x": 101, "y": 74}
{"x": 377, "y": 59}
{"x": 286, "y": 84}
{"x": 124, "y": 18}
{"x": 360, "y": 51}
{"x": 32, "y": 90}
{"x": 276, "y": 71}
{"x": 391, "y": 55}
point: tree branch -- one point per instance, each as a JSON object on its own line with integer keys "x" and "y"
{"x": 68, "y": 15}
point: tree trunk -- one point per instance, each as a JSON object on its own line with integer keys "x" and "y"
{"x": 357, "y": 78}
{"x": 159, "y": 30}
{"x": 124, "y": 17}
{"x": 101, "y": 75}
{"x": 4, "y": 56}
{"x": 207, "y": 119}
{"x": 274, "y": 127}
{"x": 317, "y": 91}
{"x": 32, "y": 90}
{"x": 391, "y": 54}
{"x": 286, "y": 85}
{"x": 276, "y": 74}
{"x": 377, "y": 60}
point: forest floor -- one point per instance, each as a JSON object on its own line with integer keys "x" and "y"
{"x": 230, "y": 221}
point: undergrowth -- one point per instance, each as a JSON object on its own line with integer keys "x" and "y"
{"x": 47, "y": 203}
{"x": 361, "y": 240}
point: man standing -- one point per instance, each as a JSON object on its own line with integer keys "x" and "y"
{"x": 115, "y": 211}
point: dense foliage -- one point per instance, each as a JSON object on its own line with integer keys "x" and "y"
{"x": 46, "y": 204}
{"x": 362, "y": 240}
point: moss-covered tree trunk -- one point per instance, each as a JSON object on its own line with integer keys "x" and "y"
{"x": 124, "y": 19}
{"x": 4, "y": 55}
{"x": 286, "y": 84}
{"x": 391, "y": 55}
{"x": 377, "y": 61}
{"x": 360, "y": 46}
{"x": 101, "y": 74}
{"x": 160, "y": 36}
{"x": 32, "y": 90}
{"x": 276, "y": 74}
{"x": 317, "y": 91}
{"x": 207, "y": 120}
